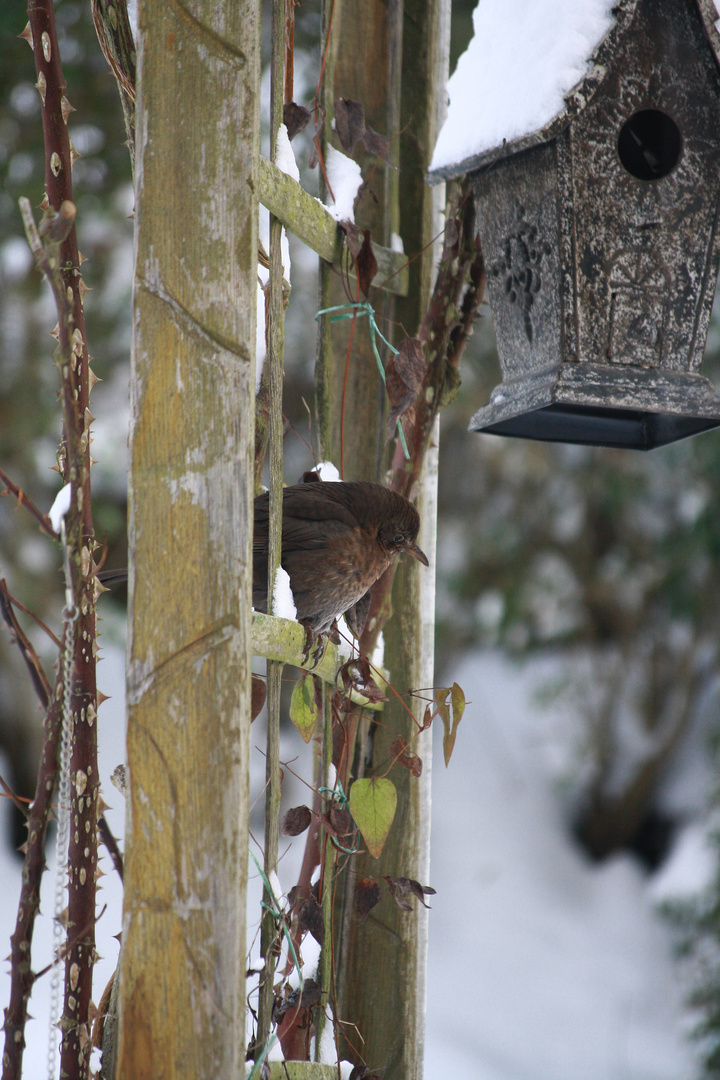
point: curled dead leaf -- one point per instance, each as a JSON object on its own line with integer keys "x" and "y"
{"x": 295, "y": 821}
{"x": 406, "y": 757}
{"x": 367, "y": 895}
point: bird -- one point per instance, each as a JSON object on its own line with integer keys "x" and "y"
{"x": 338, "y": 538}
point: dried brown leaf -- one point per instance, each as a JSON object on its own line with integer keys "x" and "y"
{"x": 310, "y": 917}
{"x": 337, "y": 821}
{"x": 349, "y": 122}
{"x": 352, "y": 235}
{"x": 428, "y": 718}
{"x": 366, "y": 265}
{"x": 295, "y": 821}
{"x": 375, "y": 143}
{"x": 400, "y": 887}
{"x": 406, "y": 757}
{"x": 367, "y": 895}
{"x": 258, "y": 693}
{"x": 295, "y": 118}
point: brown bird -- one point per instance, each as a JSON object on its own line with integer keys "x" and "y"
{"x": 337, "y": 539}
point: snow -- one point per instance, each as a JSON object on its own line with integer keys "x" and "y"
{"x": 541, "y": 964}
{"x": 327, "y": 471}
{"x": 283, "y": 600}
{"x": 60, "y": 507}
{"x": 524, "y": 57}
{"x": 284, "y": 156}
{"x": 692, "y": 863}
{"x": 275, "y": 886}
{"x": 345, "y": 179}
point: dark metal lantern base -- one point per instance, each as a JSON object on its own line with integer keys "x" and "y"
{"x": 599, "y": 405}
{"x": 624, "y": 428}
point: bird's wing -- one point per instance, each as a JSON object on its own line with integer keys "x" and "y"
{"x": 303, "y": 511}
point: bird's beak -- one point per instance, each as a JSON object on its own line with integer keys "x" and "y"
{"x": 415, "y": 551}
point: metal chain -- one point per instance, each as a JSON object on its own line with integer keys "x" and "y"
{"x": 70, "y": 613}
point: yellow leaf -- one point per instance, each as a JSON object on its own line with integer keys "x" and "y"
{"x": 373, "y": 803}
{"x": 451, "y": 715}
{"x": 303, "y": 707}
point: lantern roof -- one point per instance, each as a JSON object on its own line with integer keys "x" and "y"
{"x": 530, "y": 67}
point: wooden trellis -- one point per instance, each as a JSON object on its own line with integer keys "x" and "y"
{"x": 190, "y": 642}
{"x": 281, "y": 642}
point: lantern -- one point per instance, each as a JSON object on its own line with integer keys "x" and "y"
{"x": 597, "y": 212}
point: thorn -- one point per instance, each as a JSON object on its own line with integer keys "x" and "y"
{"x": 45, "y": 202}
{"x": 81, "y": 258}
{"x": 92, "y": 379}
{"x": 88, "y": 419}
{"x": 100, "y": 696}
{"x": 73, "y": 154}
{"x": 66, "y": 108}
{"x": 55, "y": 332}
{"x": 23, "y": 848}
{"x": 41, "y": 87}
{"x": 27, "y": 35}
{"x": 83, "y": 288}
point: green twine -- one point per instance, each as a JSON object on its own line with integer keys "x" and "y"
{"x": 277, "y": 915}
{"x": 363, "y": 307}
{"x": 266, "y": 1050}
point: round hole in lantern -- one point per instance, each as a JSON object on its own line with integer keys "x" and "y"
{"x": 649, "y": 144}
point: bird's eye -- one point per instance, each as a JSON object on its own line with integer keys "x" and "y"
{"x": 399, "y": 539}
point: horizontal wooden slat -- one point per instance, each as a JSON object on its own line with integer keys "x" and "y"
{"x": 308, "y": 219}
{"x": 284, "y": 640}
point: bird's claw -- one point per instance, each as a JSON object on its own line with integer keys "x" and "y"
{"x": 314, "y": 641}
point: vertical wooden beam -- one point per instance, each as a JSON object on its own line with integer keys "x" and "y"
{"x": 182, "y": 997}
{"x": 384, "y": 958}
{"x": 274, "y": 362}
{"x": 361, "y": 74}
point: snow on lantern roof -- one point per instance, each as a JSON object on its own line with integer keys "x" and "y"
{"x": 524, "y": 59}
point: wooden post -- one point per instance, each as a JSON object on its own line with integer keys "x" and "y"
{"x": 182, "y": 991}
{"x": 382, "y": 960}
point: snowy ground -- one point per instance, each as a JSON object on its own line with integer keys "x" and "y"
{"x": 542, "y": 967}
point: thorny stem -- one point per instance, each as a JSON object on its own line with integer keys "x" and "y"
{"x": 445, "y": 329}
{"x": 56, "y": 253}
{"x": 22, "y": 976}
